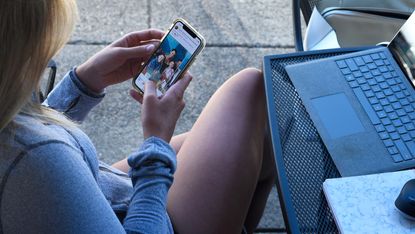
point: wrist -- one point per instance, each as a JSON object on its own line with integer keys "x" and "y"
{"x": 90, "y": 81}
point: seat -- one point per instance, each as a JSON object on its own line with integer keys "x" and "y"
{"x": 355, "y": 22}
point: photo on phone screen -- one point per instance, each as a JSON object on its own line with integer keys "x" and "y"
{"x": 168, "y": 62}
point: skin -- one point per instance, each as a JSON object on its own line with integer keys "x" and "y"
{"x": 225, "y": 171}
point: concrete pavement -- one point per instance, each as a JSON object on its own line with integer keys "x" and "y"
{"x": 238, "y": 34}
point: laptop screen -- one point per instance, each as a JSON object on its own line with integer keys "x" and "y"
{"x": 403, "y": 48}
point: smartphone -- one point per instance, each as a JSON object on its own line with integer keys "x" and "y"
{"x": 170, "y": 60}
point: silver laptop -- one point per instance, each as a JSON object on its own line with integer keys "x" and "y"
{"x": 363, "y": 104}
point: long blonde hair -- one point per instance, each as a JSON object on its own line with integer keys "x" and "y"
{"x": 31, "y": 33}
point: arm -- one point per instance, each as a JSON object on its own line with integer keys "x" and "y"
{"x": 73, "y": 98}
{"x": 152, "y": 170}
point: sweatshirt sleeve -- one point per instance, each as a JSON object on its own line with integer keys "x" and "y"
{"x": 73, "y": 98}
{"x": 152, "y": 169}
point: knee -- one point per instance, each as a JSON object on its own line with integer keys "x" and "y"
{"x": 249, "y": 82}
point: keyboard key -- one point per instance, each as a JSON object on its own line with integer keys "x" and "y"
{"x": 366, "y": 106}
{"x": 405, "y": 119}
{"x": 407, "y": 94}
{"x": 367, "y": 59}
{"x": 387, "y": 75}
{"x": 365, "y": 87}
{"x": 371, "y": 66}
{"x": 364, "y": 69}
{"x": 382, "y": 55}
{"x": 357, "y": 74}
{"x": 381, "y": 114}
{"x": 410, "y": 126}
{"x": 341, "y": 64}
{"x": 373, "y": 101}
{"x": 379, "y": 62}
{"x": 397, "y": 158}
{"x": 403, "y": 150}
{"x": 393, "y": 150}
{"x": 349, "y": 78}
{"x": 386, "y": 62}
{"x": 394, "y": 136}
{"x": 391, "y": 82}
{"x": 380, "y": 95}
{"x": 393, "y": 72}
{"x": 379, "y": 128}
{"x": 383, "y": 69}
{"x": 359, "y": 61}
{"x": 401, "y": 130}
{"x": 376, "y": 72}
{"x": 383, "y": 85}
{"x": 393, "y": 115}
{"x": 367, "y": 75}
{"x": 361, "y": 81}
{"x": 384, "y": 135}
{"x": 369, "y": 94}
{"x": 386, "y": 121}
{"x": 390, "y": 129}
{"x": 412, "y": 134}
{"x": 351, "y": 64}
{"x": 412, "y": 116}
{"x": 388, "y": 143}
{"x": 354, "y": 84}
{"x": 387, "y": 92}
{"x": 395, "y": 88}
{"x": 375, "y": 56}
{"x": 388, "y": 109}
{"x": 346, "y": 71}
{"x": 406, "y": 137}
{"x": 384, "y": 102}
{"x": 397, "y": 122}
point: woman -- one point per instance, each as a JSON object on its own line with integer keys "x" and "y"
{"x": 51, "y": 179}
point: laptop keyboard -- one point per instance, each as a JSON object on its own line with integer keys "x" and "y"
{"x": 386, "y": 100}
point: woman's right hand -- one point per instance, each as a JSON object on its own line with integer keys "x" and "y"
{"x": 159, "y": 115}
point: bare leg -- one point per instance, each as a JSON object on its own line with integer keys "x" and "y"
{"x": 176, "y": 142}
{"x": 220, "y": 161}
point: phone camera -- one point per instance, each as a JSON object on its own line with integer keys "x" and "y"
{"x": 177, "y": 27}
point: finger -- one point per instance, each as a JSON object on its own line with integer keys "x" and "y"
{"x": 150, "y": 89}
{"x": 136, "y": 95}
{"x": 180, "y": 86}
{"x": 134, "y": 38}
{"x": 136, "y": 52}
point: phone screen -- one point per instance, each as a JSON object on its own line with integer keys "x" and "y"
{"x": 171, "y": 58}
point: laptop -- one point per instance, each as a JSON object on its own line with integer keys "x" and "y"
{"x": 363, "y": 104}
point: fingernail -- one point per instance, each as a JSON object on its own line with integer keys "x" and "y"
{"x": 150, "y": 48}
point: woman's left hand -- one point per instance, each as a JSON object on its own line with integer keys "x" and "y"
{"x": 119, "y": 61}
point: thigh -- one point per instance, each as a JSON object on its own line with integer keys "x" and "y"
{"x": 220, "y": 160}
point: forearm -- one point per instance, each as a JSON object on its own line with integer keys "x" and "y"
{"x": 152, "y": 175}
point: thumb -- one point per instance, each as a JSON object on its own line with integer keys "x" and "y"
{"x": 150, "y": 89}
{"x": 138, "y": 51}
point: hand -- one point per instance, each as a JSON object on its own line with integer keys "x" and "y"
{"x": 119, "y": 61}
{"x": 159, "y": 115}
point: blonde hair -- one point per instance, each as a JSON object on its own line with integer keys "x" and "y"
{"x": 31, "y": 33}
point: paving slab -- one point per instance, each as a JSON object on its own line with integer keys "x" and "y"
{"x": 102, "y": 21}
{"x": 260, "y": 23}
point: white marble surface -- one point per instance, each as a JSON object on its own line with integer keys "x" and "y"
{"x": 366, "y": 204}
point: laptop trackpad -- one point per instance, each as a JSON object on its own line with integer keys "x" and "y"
{"x": 337, "y": 115}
